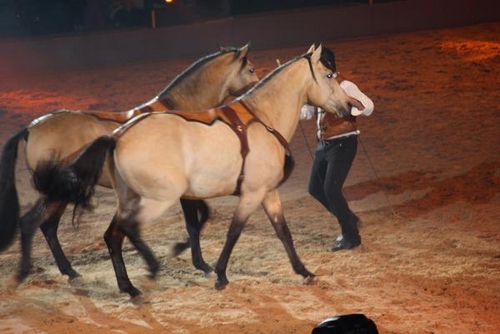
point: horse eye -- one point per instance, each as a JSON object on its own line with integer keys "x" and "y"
{"x": 251, "y": 70}
{"x": 329, "y": 75}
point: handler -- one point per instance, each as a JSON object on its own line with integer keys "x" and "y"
{"x": 337, "y": 146}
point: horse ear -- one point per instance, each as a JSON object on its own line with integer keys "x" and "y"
{"x": 243, "y": 51}
{"x": 311, "y": 49}
{"x": 316, "y": 55}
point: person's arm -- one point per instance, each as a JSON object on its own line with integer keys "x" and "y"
{"x": 353, "y": 91}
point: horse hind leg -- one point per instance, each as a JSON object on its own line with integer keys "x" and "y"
{"x": 116, "y": 232}
{"x": 46, "y": 216}
{"x": 114, "y": 240}
{"x": 49, "y": 228}
{"x": 273, "y": 209}
{"x": 29, "y": 222}
{"x": 132, "y": 233}
{"x": 196, "y": 214}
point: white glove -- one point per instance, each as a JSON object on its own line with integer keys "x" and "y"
{"x": 353, "y": 91}
{"x": 307, "y": 112}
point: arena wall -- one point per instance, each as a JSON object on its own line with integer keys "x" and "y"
{"x": 272, "y": 30}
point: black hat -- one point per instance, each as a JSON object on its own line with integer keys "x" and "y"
{"x": 328, "y": 58}
{"x": 356, "y": 323}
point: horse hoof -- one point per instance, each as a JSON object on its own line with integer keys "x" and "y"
{"x": 21, "y": 276}
{"x": 133, "y": 292}
{"x": 139, "y": 300}
{"x": 310, "y": 279}
{"x": 153, "y": 272}
{"x": 135, "y": 296}
{"x": 179, "y": 248}
{"x": 207, "y": 270}
{"x": 75, "y": 281}
{"x": 74, "y": 276}
{"x": 220, "y": 285}
{"x": 13, "y": 282}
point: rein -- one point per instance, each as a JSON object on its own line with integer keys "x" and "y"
{"x": 308, "y": 57}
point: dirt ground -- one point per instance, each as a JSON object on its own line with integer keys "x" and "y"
{"x": 425, "y": 182}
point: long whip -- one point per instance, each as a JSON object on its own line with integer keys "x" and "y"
{"x": 376, "y": 176}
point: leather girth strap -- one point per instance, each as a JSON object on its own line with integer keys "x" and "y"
{"x": 238, "y": 116}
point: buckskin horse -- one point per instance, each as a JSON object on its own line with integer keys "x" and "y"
{"x": 238, "y": 149}
{"x": 60, "y": 135}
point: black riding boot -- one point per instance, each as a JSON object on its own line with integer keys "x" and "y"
{"x": 350, "y": 238}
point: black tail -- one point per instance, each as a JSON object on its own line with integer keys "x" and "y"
{"x": 74, "y": 182}
{"x": 9, "y": 203}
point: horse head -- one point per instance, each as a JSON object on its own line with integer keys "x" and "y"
{"x": 326, "y": 92}
{"x": 244, "y": 76}
{"x": 211, "y": 80}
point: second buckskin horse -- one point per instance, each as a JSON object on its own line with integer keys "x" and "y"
{"x": 60, "y": 135}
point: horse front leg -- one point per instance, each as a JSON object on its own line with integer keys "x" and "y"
{"x": 131, "y": 230}
{"x": 273, "y": 209}
{"x": 196, "y": 214}
{"x": 114, "y": 240}
{"x": 232, "y": 237}
{"x": 246, "y": 206}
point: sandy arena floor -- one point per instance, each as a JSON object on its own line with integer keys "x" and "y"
{"x": 426, "y": 183}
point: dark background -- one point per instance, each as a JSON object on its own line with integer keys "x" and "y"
{"x": 189, "y": 29}
{"x": 39, "y": 17}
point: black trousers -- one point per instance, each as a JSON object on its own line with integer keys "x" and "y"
{"x": 332, "y": 162}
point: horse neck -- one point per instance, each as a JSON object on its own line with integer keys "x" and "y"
{"x": 192, "y": 97}
{"x": 205, "y": 88}
{"x": 277, "y": 103}
{"x": 180, "y": 97}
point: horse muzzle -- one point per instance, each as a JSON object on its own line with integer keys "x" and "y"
{"x": 341, "y": 109}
